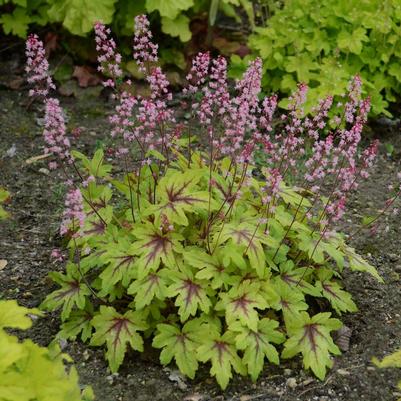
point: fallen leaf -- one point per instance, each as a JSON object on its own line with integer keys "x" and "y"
{"x": 3, "y": 264}
{"x": 35, "y": 159}
{"x": 194, "y": 397}
{"x": 86, "y": 76}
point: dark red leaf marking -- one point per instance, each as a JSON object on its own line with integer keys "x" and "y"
{"x": 221, "y": 349}
{"x": 328, "y": 289}
{"x": 242, "y": 303}
{"x": 191, "y": 289}
{"x": 74, "y": 287}
{"x": 158, "y": 245}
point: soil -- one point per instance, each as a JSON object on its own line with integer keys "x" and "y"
{"x": 27, "y": 238}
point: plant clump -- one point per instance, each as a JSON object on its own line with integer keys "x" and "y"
{"x": 324, "y": 43}
{"x": 30, "y": 372}
{"x": 201, "y": 245}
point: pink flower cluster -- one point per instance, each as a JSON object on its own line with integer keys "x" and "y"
{"x": 37, "y": 67}
{"x": 145, "y": 51}
{"x": 108, "y": 58}
{"x": 54, "y": 132}
{"x": 74, "y": 214}
{"x": 198, "y": 73}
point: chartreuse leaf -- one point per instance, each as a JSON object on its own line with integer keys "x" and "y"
{"x": 250, "y": 238}
{"x": 4, "y": 195}
{"x": 212, "y": 267}
{"x": 339, "y": 299}
{"x": 94, "y": 167}
{"x": 73, "y": 292}
{"x": 169, "y": 9}
{"x": 178, "y": 194}
{"x": 79, "y": 322}
{"x": 242, "y": 303}
{"x": 256, "y": 344}
{"x": 357, "y": 263}
{"x": 290, "y": 300}
{"x": 154, "y": 285}
{"x": 180, "y": 344}
{"x": 177, "y": 27}
{"x": 30, "y": 372}
{"x": 221, "y": 351}
{"x": 392, "y": 360}
{"x": 190, "y": 293}
{"x": 14, "y": 316}
{"x": 153, "y": 247}
{"x": 117, "y": 330}
{"x": 120, "y": 259}
{"x": 16, "y": 23}
{"x": 311, "y": 337}
{"x": 79, "y": 16}
{"x": 296, "y": 278}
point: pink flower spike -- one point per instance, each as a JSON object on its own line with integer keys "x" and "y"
{"x": 145, "y": 51}
{"x": 37, "y": 67}
{"x": 54, "y": 132}
{"x": 74, "y": 212}
{"x": 108, "y": 58}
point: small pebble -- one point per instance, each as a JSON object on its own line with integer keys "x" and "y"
{"x": 343, "y": 372}
{"x": 393, "y": 257}
{"x": 291, "y": 383}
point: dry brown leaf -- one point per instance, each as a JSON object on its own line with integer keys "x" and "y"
{"x": 86, "y": 76}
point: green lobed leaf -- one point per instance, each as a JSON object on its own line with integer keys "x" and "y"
{"x": 257, "y": 344}
{"x": 117, "y": 330}
{"x": 311, "y": 337}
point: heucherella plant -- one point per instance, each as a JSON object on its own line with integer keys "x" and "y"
{"x": 206, "y": 244}
{"x": 28, "y": 371}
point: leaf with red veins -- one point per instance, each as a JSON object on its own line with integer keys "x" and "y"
{"x": 290, "y": 301}
{"x": 311, "y": 337}
{"x": 211, "y": 267}
{"x": 222, "y": 353}
{"x": 250, "y": 238}
{"x": 73, "y": 292}
{"x": 297, "y": 278}
{"x": 179, "y": 194}
{"x": 191, "y": 294}
{"x": 257, "y": 344}
{"x": 153, "y": 247}
{"x": 117, "y": 330}
{"x": 180, "y": 344}
{"x": 154, "y": 285}
{"x": 121, "y": 266}
{"x": 241, "y": 303}
{"x": 340, "y": 300}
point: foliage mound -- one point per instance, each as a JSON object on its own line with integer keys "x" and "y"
{"x": 323, "y": 43}
{"x": 29, "y": 372}
{"x": 193, "y": 240}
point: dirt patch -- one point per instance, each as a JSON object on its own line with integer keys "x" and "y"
{"x": 27, "y": 239}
